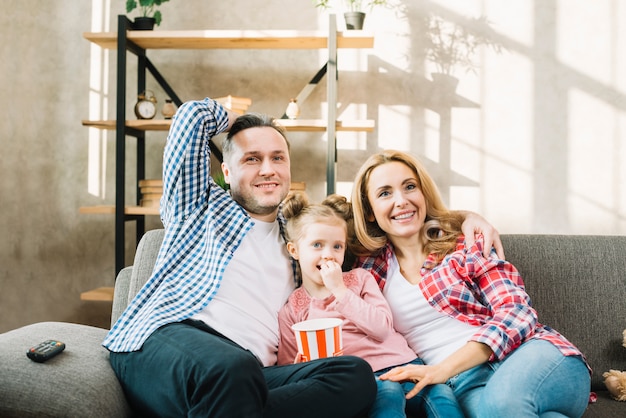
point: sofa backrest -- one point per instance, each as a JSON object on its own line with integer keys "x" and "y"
{"x": 131, "y": 279}
{"x": 577, "y": 284}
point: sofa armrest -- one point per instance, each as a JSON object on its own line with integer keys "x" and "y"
{"x": 132, "y": 278}
{"x": 79, "y": 382}
{"x": 121, "y": 296}
{"x": 145, "y": 259}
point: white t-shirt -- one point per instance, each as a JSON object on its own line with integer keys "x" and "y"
{"x": 256, "y": 284}
{"x": 431, "y": 334}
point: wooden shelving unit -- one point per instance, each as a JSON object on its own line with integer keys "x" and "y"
{"x": 232, "y": 39}
{"x": 138, "y": 42}
{"x": 110, "y": 209}
{"x": 101, "y": 294}
{"x": 301, "y": 125}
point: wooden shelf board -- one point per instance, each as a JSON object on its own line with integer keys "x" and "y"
{"x": 233, "y": 39}
{"x": 142, "y": 125}
{"x": 110, "y": 209}
{"x": 149, "y": 210}
{"x": 101, "y": 294}
{"x": 301, "y": 125}
{"x": 319, "y": 125}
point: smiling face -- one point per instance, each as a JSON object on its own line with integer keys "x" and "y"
{"x": 258, "y": 171}
{"x": 397, "y": 203}
{"x": 320, "y": 242}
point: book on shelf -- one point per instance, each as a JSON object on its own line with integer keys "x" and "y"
{"x": 234, "y": 103}
{"x": 150, "y": 203}
{"x": 298, "y": 185}
{"x": 155, "y": 189}
{"x": 151, "y": 196}
{"x": 151, "y": 183}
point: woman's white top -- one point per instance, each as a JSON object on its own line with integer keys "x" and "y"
{"x": 431, "y": 334}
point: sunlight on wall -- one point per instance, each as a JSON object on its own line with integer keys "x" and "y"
{"x": 512, "y": 18}
{"x": 431, "y": 136}
{"x": 98, "y": 100}
{"x": 585, "y": 53}
{"x": 352, "y": 140}
{"x": 394, "y": 124}
{"x": 593, "y": 196}
{"x": 546, "y": 144}
{"x": 595, "y": 151}
{"x": 344, "y": 188}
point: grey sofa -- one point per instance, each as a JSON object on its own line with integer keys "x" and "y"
{"x": 577, "y": 283}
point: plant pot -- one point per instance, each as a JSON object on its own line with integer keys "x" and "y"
{"x": 445, "y": 84}
{"x": 354, "y": 20}
{"x": 144, "y": 23}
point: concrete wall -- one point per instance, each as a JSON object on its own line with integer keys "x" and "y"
{"x": 542, "y": 153}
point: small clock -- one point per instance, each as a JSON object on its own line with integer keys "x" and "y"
{"x": 146, "y": 106}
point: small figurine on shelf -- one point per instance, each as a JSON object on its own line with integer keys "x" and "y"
{"x": 168, "y": 109}
{"x": 293, "y": 110}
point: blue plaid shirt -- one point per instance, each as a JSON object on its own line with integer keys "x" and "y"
{"x": 203, "y": 228}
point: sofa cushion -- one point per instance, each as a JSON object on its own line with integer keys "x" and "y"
{"x": 577, "y": 285}
{"x": 79, "y": 382}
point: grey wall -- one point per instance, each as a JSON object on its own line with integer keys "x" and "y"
{"x": 542, "y": 152}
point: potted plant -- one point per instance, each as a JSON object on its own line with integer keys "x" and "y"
{"x": 452, "y": 46}
{"x": 150, "y": 16}
{"x": 354, "y": 10}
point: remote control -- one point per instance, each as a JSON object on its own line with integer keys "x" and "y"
{"x": 45, "y": 350}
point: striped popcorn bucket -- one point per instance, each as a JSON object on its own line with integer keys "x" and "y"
{"x": 318, "y": 338}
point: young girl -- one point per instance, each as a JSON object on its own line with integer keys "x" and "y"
{"x": 317, "y": 238}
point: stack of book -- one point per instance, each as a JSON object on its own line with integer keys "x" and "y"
{"x": 298, "y": 185}
{"x": 151, "y": 191}
{"x": 236, "y": 104}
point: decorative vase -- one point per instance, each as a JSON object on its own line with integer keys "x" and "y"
{"x": 354, "y": 20}
{"x": 169, "y": 109}
{"x": 144, "y": 23}
{"x": 293, "y": 110}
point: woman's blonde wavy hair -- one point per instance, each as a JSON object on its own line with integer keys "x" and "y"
{"x": 441, "y": 227}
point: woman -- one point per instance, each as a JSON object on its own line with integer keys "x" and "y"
{"x": 468, "y": 317}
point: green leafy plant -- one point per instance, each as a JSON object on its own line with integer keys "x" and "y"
{"x": 219, "y": 179}
{"x": 450, "y": 45}
{"x": 147, "y": 8}
{"x": 351, "y": 5}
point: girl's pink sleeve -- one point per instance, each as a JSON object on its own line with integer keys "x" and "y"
{"x": 368, "y": 309}
{"x": 287, "y": 347}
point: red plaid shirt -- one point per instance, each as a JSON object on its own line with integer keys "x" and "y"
{"x": 487, "y": 293}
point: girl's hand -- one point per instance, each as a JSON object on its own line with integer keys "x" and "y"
{"x": 332, "y": 277}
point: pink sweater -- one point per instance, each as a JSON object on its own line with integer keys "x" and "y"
{"x": 367, "y": 328}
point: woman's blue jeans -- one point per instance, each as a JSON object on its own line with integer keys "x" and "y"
{"x": 435, "y": 401}
{"x": 536, "y": 380}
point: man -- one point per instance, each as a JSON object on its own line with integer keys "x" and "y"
{"x": 200, "y": 338}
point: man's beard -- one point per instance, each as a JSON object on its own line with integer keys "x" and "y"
{"x": 253, "y": 204}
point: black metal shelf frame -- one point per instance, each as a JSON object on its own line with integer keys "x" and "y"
{"x": 144, "y": 66}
